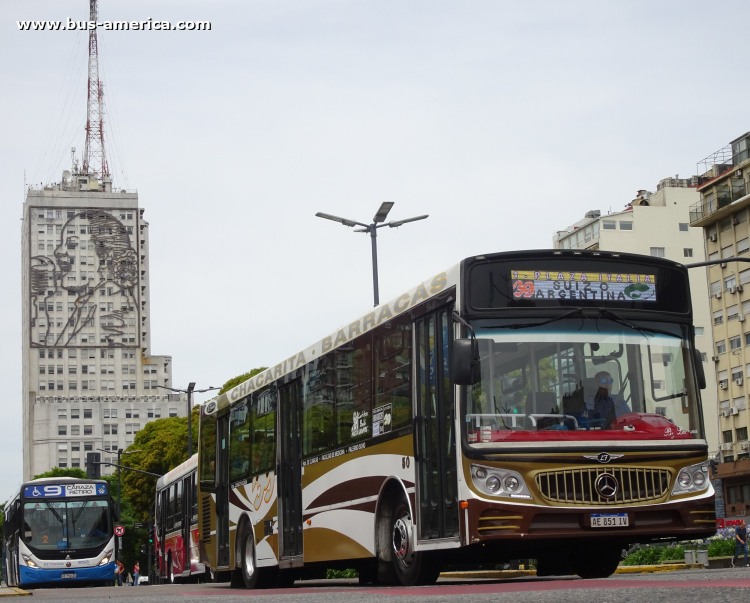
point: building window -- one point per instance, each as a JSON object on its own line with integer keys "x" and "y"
{"x": 730, "y": 282}
{"x": 727, "y": 252}
{"x": 609, "y": 225}
{"x": 75, "y": 446}
{"x": 719, "y": 317}
{"x": 698, "y": 331}
{"x": 735, "y": 343}
{"x": 86, "y": 413}
{"x": 687, "y": 252}
{"x": 626, "y": 225}
{"x": 716, "y": 287}
{"x": 684, "y": 226}
{"x": 713, "y": 256}
{"x": 743, "y": 246}
{"x": 741, "y": 434}
{"x": 75, "y": 430}
{"x": 727, "y": 436}
{"x": 657, "y": 252}
{"x": 88, "y": 430}
{"x": 732, "y": 312}
{"x": 704, "y": 357}
{"x": 88, "y": 446}
{"x": 721, "y": 347}
{"x": 62, "y": 430}
{"x": 172, "y": 412}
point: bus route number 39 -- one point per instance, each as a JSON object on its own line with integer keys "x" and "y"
{"x": 523, "y": 289}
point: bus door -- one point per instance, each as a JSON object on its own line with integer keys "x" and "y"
{"x": 290, "y": 476}
{"x": 161, "y": 523}
{"x": 187, "y": 511}
{"x": 222, "y": 492}
{"x": 437, "y": 500}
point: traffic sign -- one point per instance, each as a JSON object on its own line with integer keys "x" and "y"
{"x": 119, "y": 530}
{"x": 137, "y": 525}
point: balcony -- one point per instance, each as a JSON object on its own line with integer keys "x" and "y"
{"x": 733, "y": 469}
{"x": 713, "y": 202}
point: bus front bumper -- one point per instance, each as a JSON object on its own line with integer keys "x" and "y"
{"x": 33, "y": 575}
{"x": 682, "y": 519}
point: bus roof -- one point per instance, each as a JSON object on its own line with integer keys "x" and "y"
{"x": 178, "y": 472}
{"x": 439, "y": 283}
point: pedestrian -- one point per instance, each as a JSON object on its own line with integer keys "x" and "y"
{"x": 118, "y": 572}
{"x": 136, "y": 572}
{"x": 740, "y": 537}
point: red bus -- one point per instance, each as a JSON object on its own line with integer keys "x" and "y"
{"x": 176, "y": 534}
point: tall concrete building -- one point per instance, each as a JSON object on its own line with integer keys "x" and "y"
{"x": 658, "y": 224}
{"x": 721, "y": 215}
{"x": 90, "y": 381}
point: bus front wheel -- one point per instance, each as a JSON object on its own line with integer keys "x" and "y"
{"x": 596, "y": 562}
{"x": 412, "y": 567}
{"x": 249, "y": 568}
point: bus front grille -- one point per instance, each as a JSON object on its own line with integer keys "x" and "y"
{"x": 579, "y": 486}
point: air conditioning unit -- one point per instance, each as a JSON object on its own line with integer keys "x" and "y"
{"x": 741, "y": 317}
{"x": 739, "y": 288}
{"x": 738, "y": 173}
{"x": 723, "y": 264}
{"x": 734, "y": 411}
{"x": 725, "y": 446}
{"x": 713, "y": 238}
{"x": 738, "y": 381}
{"x": 745, "y": 445}
{"x": 717, "y": 295}
{"x": 723, "y": 385}
{"x": 736, "y": 221}
{"x": 715, "y": 358}
{"x": 732, "y": 289}
{"x": 725, "y": 413}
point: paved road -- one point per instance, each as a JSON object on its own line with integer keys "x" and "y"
{"x": 684, "y": 586}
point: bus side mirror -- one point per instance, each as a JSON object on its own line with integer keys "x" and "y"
{"x": 699, "y": 373}
{"x": 465, "y": 362}
{"x": 116, "y": 512}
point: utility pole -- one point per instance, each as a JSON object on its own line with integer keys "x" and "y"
{"x": 189, "y": 391}
{"x": 94, "y": 156}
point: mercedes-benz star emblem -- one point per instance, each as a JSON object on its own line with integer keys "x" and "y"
{"x": 606, "y": 485}
{"x": 602, "y": 457}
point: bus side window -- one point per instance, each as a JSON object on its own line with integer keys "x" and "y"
{"x": 263, "y": 449}
{"x": 240, "y": 420}
{"x": 178, "y": 505}
{"x": 170, "y": 507}
{"x": 353, "y": 417}
{"x": 194, "y": 512}
{"x": 393, "y": 370}
{"x": 208, "y": 451}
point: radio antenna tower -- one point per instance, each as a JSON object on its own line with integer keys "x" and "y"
{"x": 94, "y": 156}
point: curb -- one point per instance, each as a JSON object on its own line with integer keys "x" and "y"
{"x": 12, "y": 591}
{"x": 623, "y": 569}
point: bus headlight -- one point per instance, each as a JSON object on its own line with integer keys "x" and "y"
{"x": 691, "y": 479}
{"x": 499, "y": 482}
{"x": 28, "y": 561}
{"x": 105, "y": 559}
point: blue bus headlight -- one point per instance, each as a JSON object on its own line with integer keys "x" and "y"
{"x": 28, "y": 561}
{"x": 105, "y": 559}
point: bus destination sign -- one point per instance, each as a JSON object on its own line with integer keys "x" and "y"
{"x": 595, "y": 286}
{"x": 64, "y": 490}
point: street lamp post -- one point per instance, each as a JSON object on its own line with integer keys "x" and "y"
{"x": 189, "y": 391}
{"x": 377, "y": 222}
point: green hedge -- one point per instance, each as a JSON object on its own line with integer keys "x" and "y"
{"x": 654, "y": 555}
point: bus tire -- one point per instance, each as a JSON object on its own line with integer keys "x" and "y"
{"x": 596, "y": 562}
{"x": 248, "y": 565}
{"x": 412, "y": 568}
{"x": 170, "y": 570}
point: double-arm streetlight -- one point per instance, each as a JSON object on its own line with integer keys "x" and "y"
{"x": 377, "y": 222}
{"x": 189, "y": 391}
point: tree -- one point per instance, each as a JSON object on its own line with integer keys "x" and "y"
{"x": 234, "y": 381}
{"x": 60, "y": 472}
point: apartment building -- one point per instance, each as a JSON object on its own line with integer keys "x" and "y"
{"x": 657, "y": 224}
{"x": 90, "y": 379}
{"x": 721, "y": 216}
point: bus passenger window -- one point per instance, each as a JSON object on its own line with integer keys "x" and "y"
{"x": 319, "y": 387}
{"x": 170, "y": 508}
{"x": 239, "y": 440}
{"x": 393, "y": 370}
{"x": 353, "y": 399}
{"x": 208, "y": 450}
{"x": 178, "y": 505}
{"x": 263, "y": 451}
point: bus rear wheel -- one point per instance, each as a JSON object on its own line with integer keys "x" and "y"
{"x": 412, "y": 567}
{"x": 170, "y": 569}
{"x": 249, "y": 567}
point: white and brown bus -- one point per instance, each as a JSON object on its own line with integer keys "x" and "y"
{"x": 536, "y": 404}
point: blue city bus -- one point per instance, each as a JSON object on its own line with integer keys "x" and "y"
{"x": 59, "y": 531}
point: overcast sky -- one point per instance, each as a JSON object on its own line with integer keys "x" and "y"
{"x": 505, "y": 121}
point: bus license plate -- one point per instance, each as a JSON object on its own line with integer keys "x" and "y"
{"x": 609, "y": 520}
{"x": 68, "y": 575}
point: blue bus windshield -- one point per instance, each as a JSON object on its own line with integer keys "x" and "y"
{"x": 51, "y": 525}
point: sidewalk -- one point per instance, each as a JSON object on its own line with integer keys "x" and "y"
{"x": 10, "y": 591}
{"x": 623, "y": 569}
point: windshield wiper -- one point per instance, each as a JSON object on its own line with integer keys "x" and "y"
{"x": 528, "y": 325}
{"x": 626, "y": 323}
{"x": 54, "y": 512}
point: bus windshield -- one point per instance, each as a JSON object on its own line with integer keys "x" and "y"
{"x": 580, "y": 379}
{"x": 54, "y": 524}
